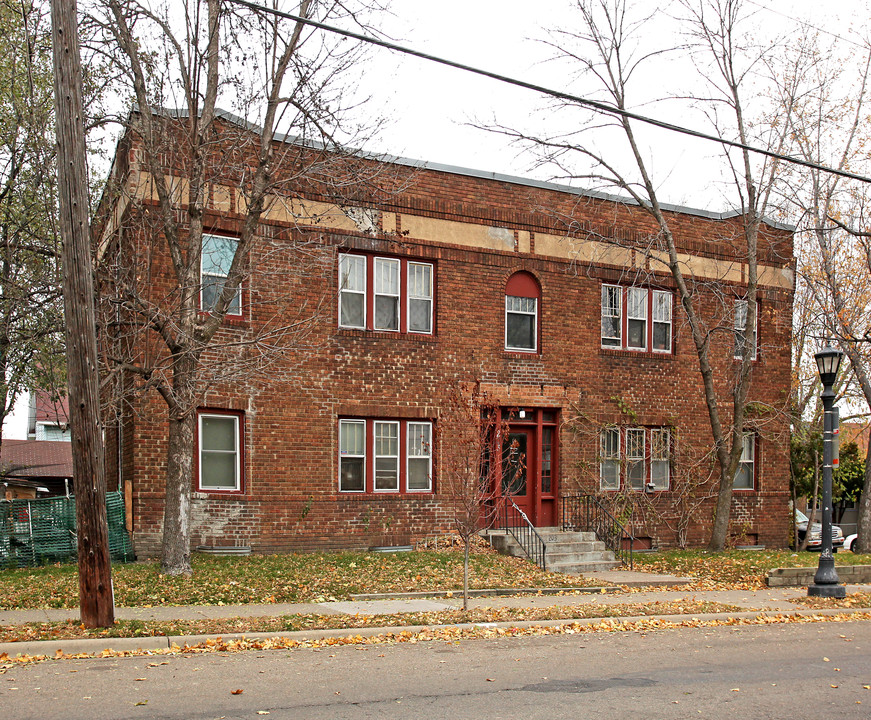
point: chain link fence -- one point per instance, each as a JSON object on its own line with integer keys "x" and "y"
{"x": 37, "y": 532}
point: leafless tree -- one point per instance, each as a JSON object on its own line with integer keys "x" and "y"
{"x": 469, "y": 467}
{"x": 605, "y": 48}
{"x": 164, "y": 313}
{"x": 829, "y": 126}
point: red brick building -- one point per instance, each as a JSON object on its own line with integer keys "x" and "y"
{"x": 555, "y": 302}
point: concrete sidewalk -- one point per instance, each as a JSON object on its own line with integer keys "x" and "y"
{"x": 768, "y": 600}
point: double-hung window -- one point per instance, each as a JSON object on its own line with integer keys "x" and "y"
{"x": 744, "y": 476}
{"x": 522, "y": 308}
{"x": 352, "y": 291}
{"x": 385, "y": 456}
{"x": 385, "y": 294}
{"x": 419, "y": 457}
{"x": 352, "y": 455}
{"x": 220, "y": 450}
{"x": 638, "y": 319}
{"x": 520, "y": 323}
{"x": 741, "y": 340}
{"x": 634, "y": 458}
{"x": 609, "y": 459}
{"x": 217, "y": 257}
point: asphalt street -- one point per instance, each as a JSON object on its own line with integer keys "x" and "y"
{"x": 795, "y": 671}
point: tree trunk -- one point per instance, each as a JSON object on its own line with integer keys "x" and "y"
{"x": 176, "y": 558}
{"x": 863, "y": 533}
{"x": 465, "y": 574}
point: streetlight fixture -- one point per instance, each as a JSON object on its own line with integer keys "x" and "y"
{"x": 826, "y": 582}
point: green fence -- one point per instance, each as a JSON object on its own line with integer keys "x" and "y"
{"x": 35, "y": 532}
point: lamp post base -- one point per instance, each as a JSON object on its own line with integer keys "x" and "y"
{"x": 831, "y": 591}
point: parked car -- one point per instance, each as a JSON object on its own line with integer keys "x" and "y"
{"x": 816, "y": 537}
{"x": 850, "y": 543}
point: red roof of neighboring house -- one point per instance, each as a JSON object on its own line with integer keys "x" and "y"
{"x": 48, "y": 409}
{"x": 36, "y": 459}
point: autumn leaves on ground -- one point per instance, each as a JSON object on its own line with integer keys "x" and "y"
{"x": 337, "y": 576}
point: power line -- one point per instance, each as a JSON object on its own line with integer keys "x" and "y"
{"x": 600, "y": 107}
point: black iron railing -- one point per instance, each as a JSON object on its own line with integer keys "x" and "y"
{"x": 585, "y": 513}
{"x": 513, "y": 520}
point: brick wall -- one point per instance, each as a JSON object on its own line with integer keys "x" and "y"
{"x": 292, "y": 399}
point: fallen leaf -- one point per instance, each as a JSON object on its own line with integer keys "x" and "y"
{"x": 833, "y": 686}
{"x": 736, "y": 689}
{"x": 139, "y": 679}
{"x": 491, "y": 679}
{"x": 263, "y": 712}
{"x": 236, "y": 692}
{"x": 142, "y": 702}
{"x": 825, "y": 659}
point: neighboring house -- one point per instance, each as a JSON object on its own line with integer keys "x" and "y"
{"x": 31, "y": 468}
{"x": 38, "y": 415}
{"x": 541, "y": 294}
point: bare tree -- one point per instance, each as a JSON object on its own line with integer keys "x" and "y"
{"x": 168, "y": 328}
{"x": 605, "y": 48}
{"x": 829, "y": 125}
{"x": 469, "y": 465}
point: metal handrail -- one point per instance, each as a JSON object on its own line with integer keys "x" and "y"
{"x": 586, "y": 513}
{"x": 513, "y": 520}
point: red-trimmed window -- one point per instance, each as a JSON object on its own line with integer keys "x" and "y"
{"x": 522, "y": 311}
{"x": 219, "y": 451}
{"x": 385, "y": 456}
{"x": 636, "y": 318}
{"x": 217, "y": 257}
{"x": 634, "y": 458}
{"x": 385, "y": 294}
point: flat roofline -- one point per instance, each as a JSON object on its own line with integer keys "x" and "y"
{"x": 483, "y": 174}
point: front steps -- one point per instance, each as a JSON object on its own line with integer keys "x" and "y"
{"x": 567, "y": 552}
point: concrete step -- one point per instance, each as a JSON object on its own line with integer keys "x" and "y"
{"x": 566, "y": 552}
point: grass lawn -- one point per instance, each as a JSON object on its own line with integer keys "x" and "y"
{"x": 312, "y": 577}
{"x": 734, "y": 569}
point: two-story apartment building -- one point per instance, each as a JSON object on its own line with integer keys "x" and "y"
{"x": 555, "y": 302}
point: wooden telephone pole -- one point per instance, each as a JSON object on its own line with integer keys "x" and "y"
{"x": 96, "y": 603}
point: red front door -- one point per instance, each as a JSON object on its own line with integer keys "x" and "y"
{"x": 518, "y": 468}
{"x": 530, "y": 463}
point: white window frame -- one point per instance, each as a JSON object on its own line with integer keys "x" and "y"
{"x": 237, "y": 298}
{"x": 343, "y": 275}
{"x": 376, "y": 455}
{"x": 419, "y": 298}
{"x": 740, "y": 321}
{"x": 409, "y": 432}
{"x": 746, "y": 462}
{"x": 608, "y": 460}
{"x": 344, "y": 423}
{"x": 631, "y": 293}
{"x": 394, "y": 263}
{"x": 661, "y": 463}
{"x": 530, "y": 313}
{"x": 636, "y": 457}
{"x": 656, "y": 294}
{"x": 237, "y": 452}
{"x": 612, "y": 290}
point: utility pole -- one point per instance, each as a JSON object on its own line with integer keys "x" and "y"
{"x": 96, "y": 602}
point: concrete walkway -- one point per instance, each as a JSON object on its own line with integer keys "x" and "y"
{"x": 771, "y": 600}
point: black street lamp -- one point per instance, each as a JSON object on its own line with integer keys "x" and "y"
{"x": 826, "y": 582}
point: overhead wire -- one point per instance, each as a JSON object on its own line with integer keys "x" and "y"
{"x": 596, "y": 105}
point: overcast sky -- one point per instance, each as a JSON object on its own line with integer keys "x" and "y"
{"x": 429, "y": 105}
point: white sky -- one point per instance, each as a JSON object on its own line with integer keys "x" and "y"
{"x": 428, "y": 104}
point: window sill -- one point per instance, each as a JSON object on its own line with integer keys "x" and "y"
{"x": 386, "y": 334}
{"x": 205, "y": 494}
{"x": 645, "y": 354}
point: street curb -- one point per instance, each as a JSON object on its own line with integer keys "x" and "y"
{"x": 96, "y": 646}
{"x": 490, "y": 592}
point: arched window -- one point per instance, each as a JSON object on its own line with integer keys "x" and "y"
{"x": 522, "y": 300}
